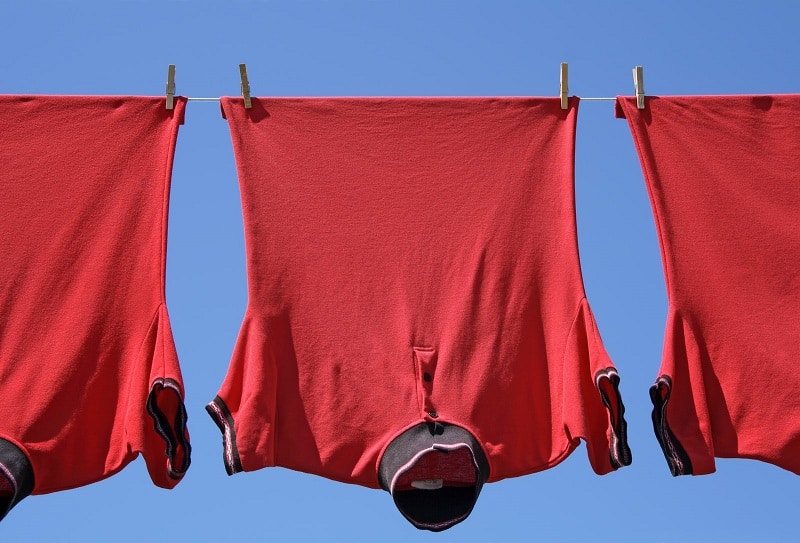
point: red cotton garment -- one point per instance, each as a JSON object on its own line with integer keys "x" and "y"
{"x": 722, "y": 176}
{"x": 89, "y": 377}
{"x": 416, "y": 318}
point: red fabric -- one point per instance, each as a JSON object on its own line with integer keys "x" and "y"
{"x": 84, "y": 331}
{"x": 451, "y": 468}
{"x": 722, "y": 173}
{"x": 393, "y": 238}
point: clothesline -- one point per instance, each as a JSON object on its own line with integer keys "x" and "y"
{"x": 217, "y": 99}
{"x": 638, "y": 83}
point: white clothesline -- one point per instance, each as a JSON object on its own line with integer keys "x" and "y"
{"x": 217, "y": 99}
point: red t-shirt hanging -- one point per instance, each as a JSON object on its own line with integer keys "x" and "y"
{"x": 723, "y": 182}
{"x": 89, "y": 377}
{"x": 413, "y": 281}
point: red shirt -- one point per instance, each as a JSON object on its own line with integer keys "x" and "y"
{"x": 722, "y": 177}
{"x": 89, "y": 377}
{"x": 412, "y": 260}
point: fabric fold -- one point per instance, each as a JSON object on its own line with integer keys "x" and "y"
{"x": 592, "y": 406}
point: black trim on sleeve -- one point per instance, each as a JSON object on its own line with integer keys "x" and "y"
{"x": 16, "y": 471}
{"x": 678, "y": 461}
{"x": 619, "y": 452}
{"x": 173, "y": 432}
{"x": 222, "y": 417}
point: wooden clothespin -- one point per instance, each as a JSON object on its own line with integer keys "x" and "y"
{"x": 638, "y": 83}
{"x": 245, "y": 86}
{"x": 564, "y": 87}
{"x": 171, "y": 87}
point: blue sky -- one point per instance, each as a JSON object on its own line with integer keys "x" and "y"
{"x": 413, "y": 48}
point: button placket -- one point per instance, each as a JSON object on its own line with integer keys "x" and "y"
{"x": 425, "y": 360}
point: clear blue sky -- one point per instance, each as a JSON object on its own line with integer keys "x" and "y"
{"x": 421, "y": 48}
